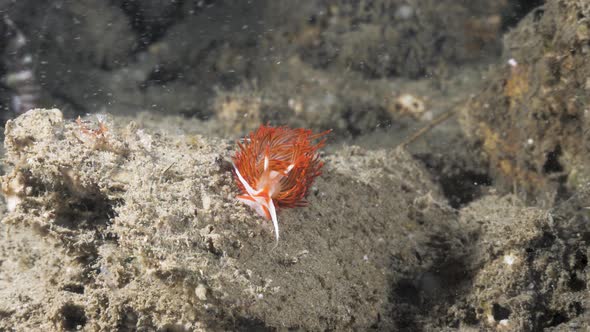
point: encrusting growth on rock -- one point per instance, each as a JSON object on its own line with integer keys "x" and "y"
{"x": 275, "y": 167}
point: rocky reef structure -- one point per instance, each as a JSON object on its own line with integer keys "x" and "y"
{"x": 402, "y": 38}
{"x": 129, "y": 221}
{"x": 182, "y": 57}
{"x": 144, "y": 231}
{"x": 117, "y": 227}
{"x": 532, "y": 118}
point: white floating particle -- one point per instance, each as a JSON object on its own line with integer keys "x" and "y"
{"x": 512, "y": 62}
{"x": 509, "y": 259}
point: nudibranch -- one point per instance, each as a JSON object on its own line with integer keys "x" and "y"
{"x": 274, "y": 168}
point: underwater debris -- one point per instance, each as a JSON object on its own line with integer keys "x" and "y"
{"x": 408, "y": 104}
{"x": 275, "y": 167}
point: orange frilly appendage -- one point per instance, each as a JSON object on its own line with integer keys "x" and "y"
{"x": 275, "y": 167}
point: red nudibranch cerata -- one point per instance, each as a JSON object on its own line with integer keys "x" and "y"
{"x": 274, "y": 168}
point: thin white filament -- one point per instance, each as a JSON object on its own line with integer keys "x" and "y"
{"x": 273, "y": 215}
{"x": 249, "y": 189}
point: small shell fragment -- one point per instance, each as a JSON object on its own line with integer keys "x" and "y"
{"x": 408, "y": 104}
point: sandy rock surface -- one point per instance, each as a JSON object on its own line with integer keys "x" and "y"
{"x": 144, "y": 229}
